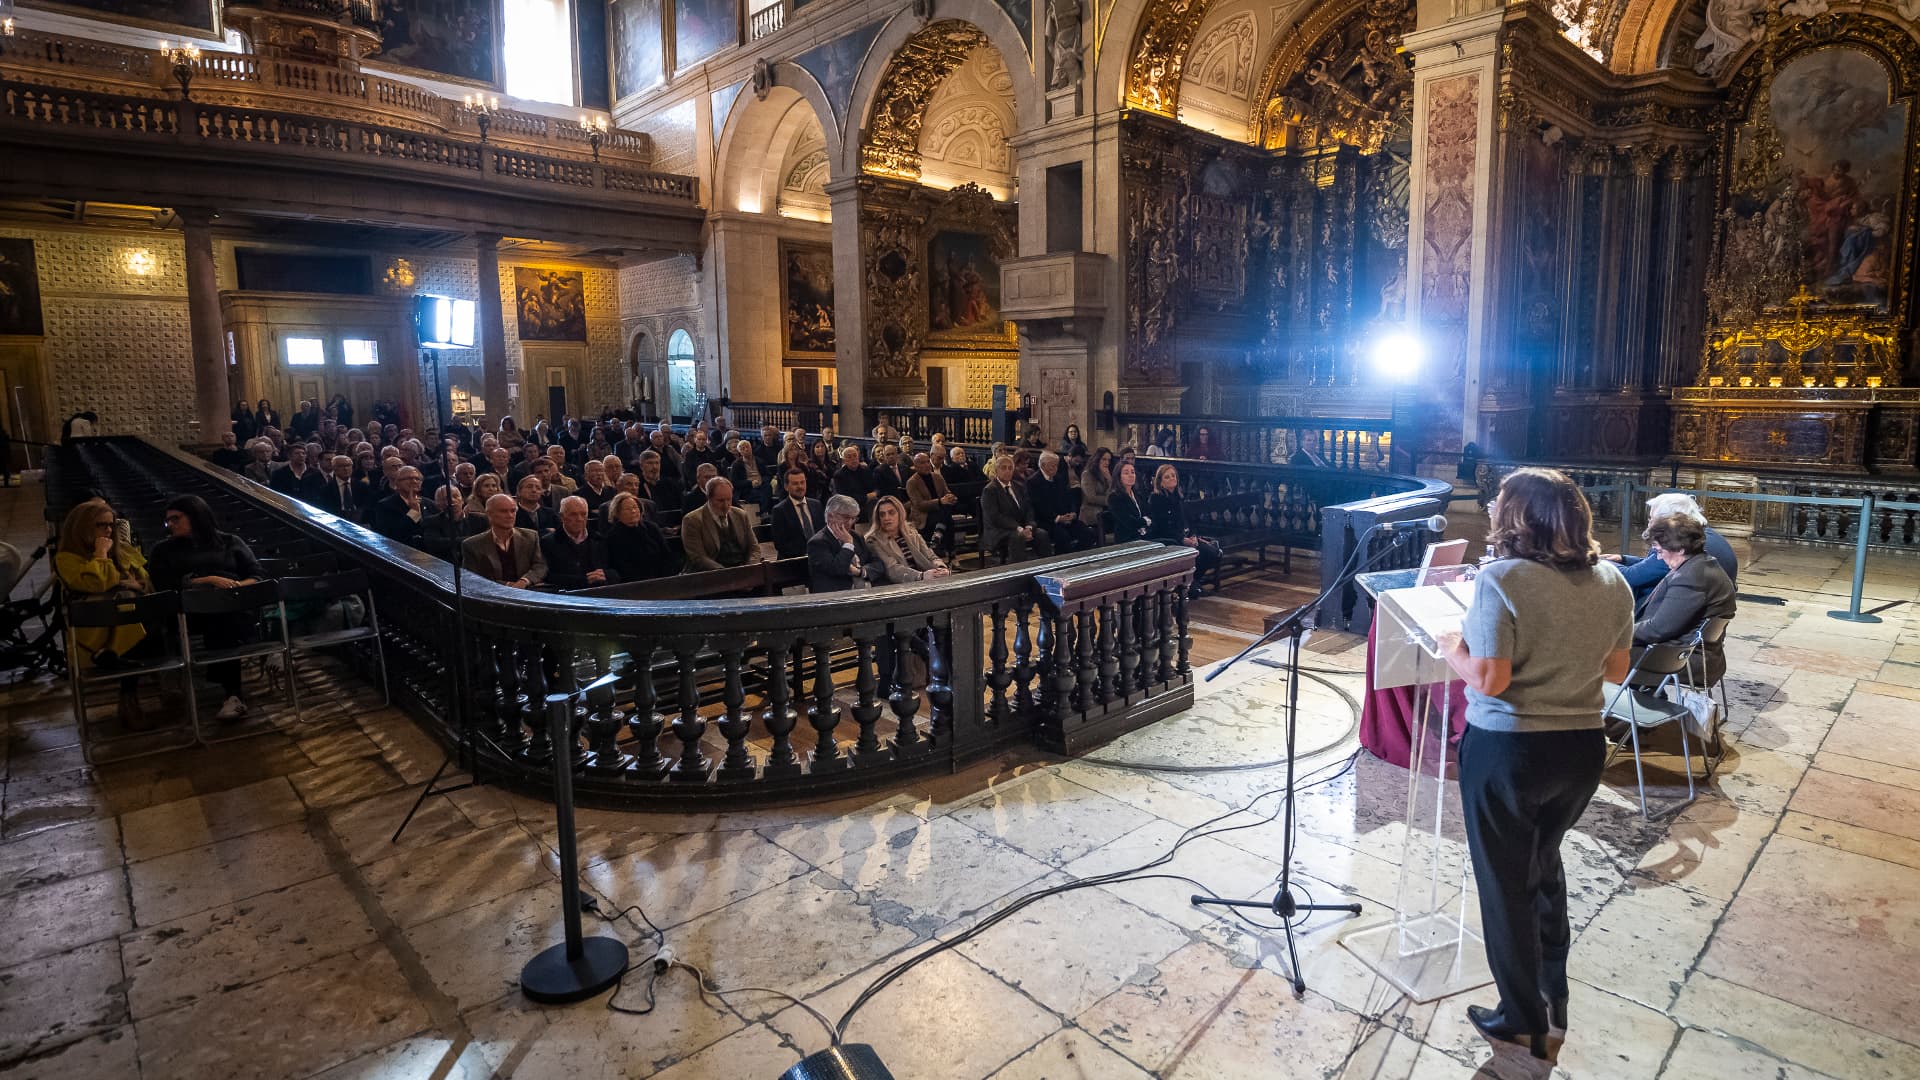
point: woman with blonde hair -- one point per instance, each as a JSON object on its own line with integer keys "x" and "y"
{"x": 1550, "y": 622}
{"x": 903, "y": 555}
{"x": 92, "y": 562}
{"x": 473, "y": 519}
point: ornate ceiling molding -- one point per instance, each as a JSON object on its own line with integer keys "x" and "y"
{"x": 892, "y": 143}
{"x": 1160, "y": 51}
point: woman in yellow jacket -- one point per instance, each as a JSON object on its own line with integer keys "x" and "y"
{"x": 93, "y": 561}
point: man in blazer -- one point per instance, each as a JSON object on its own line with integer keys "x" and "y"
{"x": 344, "y": 496}
{"x": 503, "y": 553}
{"x": 837, "y": 558}
{"x": 796, "y": 518}
{"x": 1054, "y": 508}
{"x": 718, "y": 534}
{"x": 402, "y": 515}
{"x": 930, "y": 504}
{"x": 1006, "y": 518}
{"x": 297, "y": 480}
{"x": 576, "y": 559}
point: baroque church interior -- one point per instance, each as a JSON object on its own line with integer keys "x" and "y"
{"x": 1051, "y": 358}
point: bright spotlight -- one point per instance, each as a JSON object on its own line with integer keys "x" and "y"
{"x": 1397, "y": 356}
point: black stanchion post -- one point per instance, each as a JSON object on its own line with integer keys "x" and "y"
{"x": 578, "y": 967}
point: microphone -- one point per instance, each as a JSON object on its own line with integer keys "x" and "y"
{"x": 1437, "y": 523}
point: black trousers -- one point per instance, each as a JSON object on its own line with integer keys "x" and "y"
{"x": 1520, "y": 793}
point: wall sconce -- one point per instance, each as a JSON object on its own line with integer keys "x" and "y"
{"x": 596, "y": 129}
{"x": 399, "y": 275}
{"x": 139, "y": 262}
{"x": 1840, "y": 381}
{"x": 6, "y": 18}
{"x": 1873, "y": 382}
{"x": 183, "y": 57}
{"x": 484, "y": 109}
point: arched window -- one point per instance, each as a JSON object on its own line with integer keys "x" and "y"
{"x": 680, "y": 373}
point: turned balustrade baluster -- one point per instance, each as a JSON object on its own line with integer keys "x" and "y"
{"x": 689, "y": 727}
{"x": 1023, "y": 665}
{"x": 1064, "y": 673}
{"x": 824, "y": 716}
{"x": 940, "y": 683}
{"x": 1162, "y": 630}
{"x": 999, "y": 675}
{"x": 539, "y": 746}
{"x": 866, "y": 706}
{"x": 645, "y": 722}
{"x": 1184, "y": 669}
{"x": 1109, "y": 660}
{"x": 738, "y": 764}
{"x": 905, "y": 698}
{"x": 1124, "y": 612}
{"x": 1044, "y": 663}
{"x": 1087, "y": 693}
{"x": 780, "y": 718}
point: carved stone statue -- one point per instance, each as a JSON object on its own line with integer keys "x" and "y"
{"x": 1730, "y": 25}
{"x": 1063, "y": 44}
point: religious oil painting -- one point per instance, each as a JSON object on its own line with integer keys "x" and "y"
{"x": 1842, "y": 153}
{"x": 806, "y": 285}
{"x": 19, "y": 289}
{"x": 702, "y": 28}
{"x": 639, "y": 59}
{"x": 449, "y": 37}
{"x": 194, "y": 14}
{"x": 963, "y": 284}
{"x": 551, "y": 304}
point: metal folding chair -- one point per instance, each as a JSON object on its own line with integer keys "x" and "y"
{"x": 152, "y": 610}
{"x": 1639, "y": 701}
{"x": 1713, "y": 632}
{"x": 243, "y": 600}
{"x": 325, "y": 589}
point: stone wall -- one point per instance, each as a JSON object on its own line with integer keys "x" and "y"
{"x": 657, "y": 298}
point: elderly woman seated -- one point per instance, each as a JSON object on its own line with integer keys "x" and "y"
{"x": 1643, "y": 572}
{"x": 1694, "y": 589}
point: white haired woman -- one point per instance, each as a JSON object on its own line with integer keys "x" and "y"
{"x": 1643, "y": 572}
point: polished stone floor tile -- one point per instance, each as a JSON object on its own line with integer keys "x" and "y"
{"x": 60, "y": 999}
{"x": 475, "y": 954}
{"x": 172, "y": 886}
{"x": 190, "y": 823}
{"x": 1050, "y": 818}
{"x": 1792, "y": 1033}
{"x": 1854, "y": 838}
{"x": 684, "y": 877}
{"x": 296, "y": 1023}
{"x": 927, "y": 877}
{"x": 53, "y": 918}
{"x": 1705, "y": 1054}
{"x": 1095, "y": 942}
{"x": 1070, "y": 1054}
{"x": 1644, "y": 942}
{"x": 1854, "y": 801}
{"x": 51, "y": 855}
{"x": 180, "y": 962}
{"x": 418, "y": 886}
{"x": 421, "y": 1057}
{"x": 344, "y": 782}
{"x": 756, "y": 1051}
{"x": 114, "y": 1053}
{"x": 366, "y": 828}
{"x": 52, "y": 800}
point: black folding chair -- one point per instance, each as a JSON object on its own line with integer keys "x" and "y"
{"x": 240, "y": 601}
{"x": 1641, "y": 702}
{"x": 153, "y": 611}
{"x": 326, "y": 589}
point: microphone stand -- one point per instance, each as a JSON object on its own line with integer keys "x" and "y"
{"x": 1294, "y": 628}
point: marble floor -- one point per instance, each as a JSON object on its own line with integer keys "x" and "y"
{"x": 239, "y": 912}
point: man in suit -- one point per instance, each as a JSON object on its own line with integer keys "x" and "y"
{"x": 230, "y": 457}
{"x": 930, "y": 504}
{"x": 531, "y": 502}
{"x": 401, "y": 515}
{"x": 888, "y": 477}
{"x": 718, "y": 534}
{"x": 767, "y": 450}
{"x": 1006, "y": 518}
{"x": 503, "y": 553}
{"x": 796, "y": 518}
{"x": 664, "y": 494}
{"x": 297, "y": 480}
{"x": 837, "y": 558}
{"x": 700, "y": 452}
{"x": 344, "y": 496}
{"x": 853, "y": 479}
{"x": 575, "y": 558}
{"x": 1054, "y": 509}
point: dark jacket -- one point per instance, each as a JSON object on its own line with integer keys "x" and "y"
{"x": 890, "y": 480}
{"x": 175, "y": 559}
{"x": 1169, "y": 515}
{"x": 640, "y": 552}
{"x": 569, "y": 563}
{"x": 1001, "y": 512}
{"x": 1129, "y": 522}
{"x": 691, "y": 461}
{"x": 480, "y": 555}
{"x": 665, "y": 495}
{"x": 790, "y": 535}
{"x": 357, "y": 490}
{"x": 1689, "y": 595}
{"x": 1050, "y": 498}
{"x": 305, "y": 487}
{"x": 830, "y": 563}
{"x": 856, "y": 483}
{"x": 390, "y": 520}
{"x": 541, "y": 519}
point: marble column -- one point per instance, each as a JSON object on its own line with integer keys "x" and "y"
{"x": 1450, "y": 279}
{"x": 213, "y": 407}
{"x": 490, "y": 323}
{"x": 849, "y": 314}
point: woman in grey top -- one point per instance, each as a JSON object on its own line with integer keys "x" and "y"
{"x": 1549, "y": 622}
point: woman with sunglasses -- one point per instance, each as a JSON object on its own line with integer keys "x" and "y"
{"x": 92, "y": 562}
{"x": 197, "y": 555}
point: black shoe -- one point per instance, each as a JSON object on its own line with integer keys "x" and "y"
{"x": 1557, "y": 1013}
{"x": 1497, "y": 1028}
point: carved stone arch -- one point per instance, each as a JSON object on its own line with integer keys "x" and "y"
{"x": 1157, "y": 61}
{"x": 986, "y": 18}
{"x": 1639, "y": 38}
{"x": 1223, "y": 60}
{"x": 748, "y": 130}
{"x": 914, "y": 73}
{"x": 1338, "y": 74}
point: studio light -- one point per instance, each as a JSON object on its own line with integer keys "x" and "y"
{"x": 1397, "y": 356}
{"x": 848, "y": 1061}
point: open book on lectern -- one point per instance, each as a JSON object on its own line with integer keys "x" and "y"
{"x": 1411, "y": 624}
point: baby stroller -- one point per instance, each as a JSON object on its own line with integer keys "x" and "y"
{"x": 29, "y": 626}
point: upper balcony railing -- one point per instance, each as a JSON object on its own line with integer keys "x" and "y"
{"x": 86, "y": 77}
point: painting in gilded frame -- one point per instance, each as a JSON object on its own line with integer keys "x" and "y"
{"x": 196, "y": 15}
{"x": 963, "y": 286}
{"x": 456, "y": 38}
{"x": 702, "y": 28}
{"x": 551, "y": 305}
{"x": 639, "y": 56}
{"x": 806, "y": 299}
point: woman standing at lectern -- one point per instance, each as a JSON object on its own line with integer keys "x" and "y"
{"x": 1549, "y": 622}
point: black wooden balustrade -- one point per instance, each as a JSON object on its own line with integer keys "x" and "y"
{"x": 1343, "y": 442}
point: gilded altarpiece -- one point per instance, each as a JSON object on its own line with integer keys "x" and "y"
{"x": 1810, "y": 297}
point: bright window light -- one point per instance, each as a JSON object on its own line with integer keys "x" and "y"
{"x": 539, "y": 51}
{"x": 306, "y": 352}
{"x": 360, "y": 352}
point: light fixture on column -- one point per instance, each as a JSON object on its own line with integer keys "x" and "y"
{"x": 484, "y": 109}
{"x": 183, "y": 57}
{"x": 596, "y": 129}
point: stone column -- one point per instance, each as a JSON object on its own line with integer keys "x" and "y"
{"x": 490, "y": 324}
{"x": 849, "y": 314}
{"x": 213, "y": 407}
{"x": 1450, "y": 280}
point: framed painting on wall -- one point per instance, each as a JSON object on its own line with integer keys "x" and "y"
{"x": 806, "y": 300}
{"x": 19, "y": 290}
{"x": 456, "y": 38}
{"x": 196, "y": 15}
{"x": 702, "y": 28}
{"x": 963, "y": 286}
{"x": 551, "y": 305}
{"x": 639, "y": 57}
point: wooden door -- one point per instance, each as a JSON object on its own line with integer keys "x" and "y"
{"x": 806, "y": 386}
{"x": 936, "y": 388}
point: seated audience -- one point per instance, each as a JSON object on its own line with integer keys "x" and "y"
{"x": 474, "y": 518}
{"x": 1071, "y": 443}
{"x": 1693, "y": 590}
{"x": 746, "y": 475}
{"x": 636, "y": 548}
{"x": 899, "y": 554}
{"x": 1167, "y": 522}
{"x": 767, "y": 450}
{"x": 663, "y": 494}
{"x": 576, "y": 559}
{"x": 260, "y": 469}
{"x": 1006, "y": 517}
{"x": 92, "y": 563}
{"x": 531, "y": 509}
{"x": 1643, "y": 572}
{"x": 593, "y": 485}
{"x": 1096, "y": 485}
{"x": 853, "y": 479}
{"x": 932, "y": 503}
{"x": 718, "y": 534}
{"x": 344, "y": 496}
{"x": 443, "y": 530}
{"x": 505, "y": 553}
{"x": 401, "y": 515}
{"x": 795, "y": 517}
{"x": 837, "y": 557}
{"x": 196, "y": 555}
{"x": 1051, "y": 496}
{"x": 230, "y": 457}
{"x": 889, "y": 479}
{"x": 703, "y": 474}
{"x": 700, "y": 451}
{"x": 1123, "y": 505}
